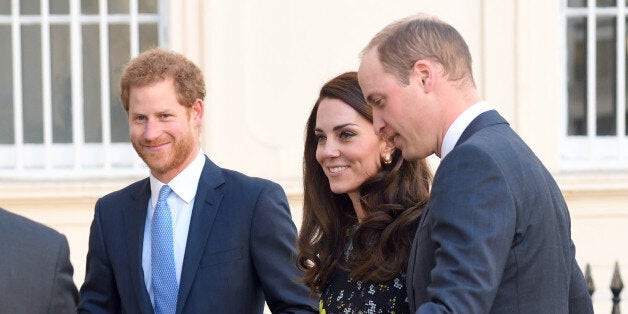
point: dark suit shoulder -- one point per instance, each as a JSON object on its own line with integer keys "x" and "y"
{"x": 21, "y": 230}
{"x": 245, "y": 181}
{"x": 128, "y": 191}
{"x": 491, "y": 132}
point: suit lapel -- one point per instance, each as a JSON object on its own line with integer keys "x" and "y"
{"x": 206, "y": 204}
{"x": 485, "y": 119}
{"x": 135, "y": 219}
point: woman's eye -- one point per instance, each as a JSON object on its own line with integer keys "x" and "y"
{"x": 346, "y": 134}
{"x": 320, "y": 138}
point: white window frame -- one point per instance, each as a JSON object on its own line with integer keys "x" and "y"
{"x": 77, "y": 159}
{"x": 593, "y": 152}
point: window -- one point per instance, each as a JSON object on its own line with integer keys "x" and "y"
{"x": 594, "y": 128}
{"x": 60, "y": 62}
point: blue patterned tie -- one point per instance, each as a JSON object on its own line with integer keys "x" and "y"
{"x": 165, "y": 287}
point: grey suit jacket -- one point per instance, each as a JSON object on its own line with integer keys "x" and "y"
{"x": 240, "y": 250}
{"x": 35, "y": 268}
{"x": 496, "y": 233}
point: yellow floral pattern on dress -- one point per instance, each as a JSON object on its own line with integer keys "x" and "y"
{"x": 321, "y": 310}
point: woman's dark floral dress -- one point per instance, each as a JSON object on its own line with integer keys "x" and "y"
{"x": 343, "y": 295}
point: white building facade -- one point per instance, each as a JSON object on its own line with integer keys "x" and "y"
{"x": 555, "y": 69}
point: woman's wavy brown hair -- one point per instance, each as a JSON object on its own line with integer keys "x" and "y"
{"x": 393, "y": 201}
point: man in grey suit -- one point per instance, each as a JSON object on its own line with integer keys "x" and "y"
{"x": 35, "y": 268}
{"x": 495, "y": 236}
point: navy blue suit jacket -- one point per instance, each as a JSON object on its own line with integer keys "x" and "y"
{"x": 496, "y": 233}
{"x": 240, "y": 250}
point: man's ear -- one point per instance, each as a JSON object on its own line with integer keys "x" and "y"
{"x": 423, "y": 72}
{"x": 197, "y": 112}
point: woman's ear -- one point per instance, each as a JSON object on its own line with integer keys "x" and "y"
{"x": 388, "y": 148}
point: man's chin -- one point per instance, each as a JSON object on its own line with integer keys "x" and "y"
{"x": 157, "y": 170}
{"x": 154, "y": 163}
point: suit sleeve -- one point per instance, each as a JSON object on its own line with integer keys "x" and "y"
{"x": 579, "y": 298}
{"x": 98, "y": 293}
{"x": 64, "y": 294}
{"x": 273, "y": 239}
{"x": 472, "y": 223}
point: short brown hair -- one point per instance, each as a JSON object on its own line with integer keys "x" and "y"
{"x": 404, "y": 42}
{"x": 156, "y": 65}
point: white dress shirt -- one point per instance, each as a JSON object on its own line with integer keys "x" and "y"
{"x": 460, "y": 124}
{"x": 181, "y": 202}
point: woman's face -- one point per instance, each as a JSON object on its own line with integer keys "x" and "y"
{"x": 348, "y": 150}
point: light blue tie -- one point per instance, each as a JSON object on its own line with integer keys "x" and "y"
{"x": 165, "y": 287}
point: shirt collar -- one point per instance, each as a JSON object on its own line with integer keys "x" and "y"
{"x": 184, "y": 184}
{"x": 460, "y": 124}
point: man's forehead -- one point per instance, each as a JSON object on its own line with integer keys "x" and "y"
{"x": 370, "y": 59}
{"x": 369, "y": 80}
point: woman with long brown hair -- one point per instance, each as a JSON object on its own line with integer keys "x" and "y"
{"x": 362, "y": 203}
